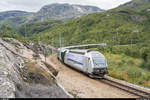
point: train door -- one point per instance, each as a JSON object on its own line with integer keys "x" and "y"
{"x": 63, "y": 55}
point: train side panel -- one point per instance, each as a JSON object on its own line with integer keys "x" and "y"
{"x": 91, "y": 62}
{"x": 75, "y": 60}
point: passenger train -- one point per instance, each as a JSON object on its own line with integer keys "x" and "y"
{"x": 91, "y": 62}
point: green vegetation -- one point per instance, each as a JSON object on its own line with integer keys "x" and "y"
{"x": 13, "y": 23}
{"x": 8, "y": 32}
{"x": 97, "y": 28}
{"x": 135, "y": 51}
{"x": 29, "y": 29}
{"x": 128, "y": 62}
{"x": 127, "y": 68}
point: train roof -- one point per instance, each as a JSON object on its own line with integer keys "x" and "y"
{"x": 83, "y": 51}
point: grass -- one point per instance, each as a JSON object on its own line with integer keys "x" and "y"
{"x": 127, "y": 68}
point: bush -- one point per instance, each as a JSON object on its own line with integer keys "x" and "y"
{"x": 134, "y": 73}
{"x": 145, "y": 54}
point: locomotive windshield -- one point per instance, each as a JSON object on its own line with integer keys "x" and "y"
{"x": 99, "y": 61}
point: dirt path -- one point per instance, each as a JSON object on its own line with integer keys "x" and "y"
{"x": 79, "y": 85}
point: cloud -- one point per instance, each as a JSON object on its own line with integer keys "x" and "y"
{"x": 35, "y": 5}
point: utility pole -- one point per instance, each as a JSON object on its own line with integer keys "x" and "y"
{"x": 117, "y": 38}
{"x": 113, "y": 38}
{"x": 60, "y": 40}
{"x": 25, "y": 30}
{"x": 52, "y": 44}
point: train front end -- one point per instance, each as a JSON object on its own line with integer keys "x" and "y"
{"x": 99, "y": 64}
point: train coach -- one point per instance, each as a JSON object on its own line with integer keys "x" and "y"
{"x": 91, "y": 62}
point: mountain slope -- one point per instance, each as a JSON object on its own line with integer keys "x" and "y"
{"x": 137, "y": 5}
{"x": 100, "y": 27}
{"x": 103, "y": 27}
{"x": 66, "y": 11}
{"x": 29, "y": 29}
{"x": 12, "y": 14}
{"x": 62, "y": 11}
{"x": 14, "y": 19}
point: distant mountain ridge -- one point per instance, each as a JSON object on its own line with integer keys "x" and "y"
{"x": 53, "y": 11}
{"x": 67, "y": 10}
{"x": 13, "y": 13}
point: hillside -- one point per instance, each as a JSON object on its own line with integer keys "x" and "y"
{"x": 135, "y": 4}
{"x": 12, "y": 14}
{"x": 102, "y": 27}
{"x": 126, "y": 31}
{"x": 31, "y": 28}
{"x": 14, "y": 19}
{"x": 62, "y": 11}
{"x": 66, "y": 11}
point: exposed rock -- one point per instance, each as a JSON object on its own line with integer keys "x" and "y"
{"x": 22, "y": 76}
{"x": 138, "y": 18}
{"x": 38, "y": 48}
{"x": 66, "y": 11}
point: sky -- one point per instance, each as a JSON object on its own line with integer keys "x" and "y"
{"x": 35, "y": 5}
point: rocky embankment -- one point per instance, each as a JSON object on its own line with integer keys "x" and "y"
{"x": 24, "y": 74}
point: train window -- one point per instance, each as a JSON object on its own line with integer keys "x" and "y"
{"x": 77, "y": 52}
{"x": 97, "y": 60}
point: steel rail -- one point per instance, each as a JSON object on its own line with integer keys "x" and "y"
{"x": 129, "y": 89}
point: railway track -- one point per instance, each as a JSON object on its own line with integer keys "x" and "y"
{"x": 129, "y": 89}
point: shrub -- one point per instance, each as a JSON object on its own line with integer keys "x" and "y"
{"x": 134, "y": 73}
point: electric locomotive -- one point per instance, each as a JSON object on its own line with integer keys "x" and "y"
{"x": 91, "y": 62}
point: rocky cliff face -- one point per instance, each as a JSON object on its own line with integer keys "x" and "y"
{"x": 66, "y": 11}
{"x": 22, "y": 75}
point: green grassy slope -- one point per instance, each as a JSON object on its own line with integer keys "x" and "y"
{"x": 127, "y": 68}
